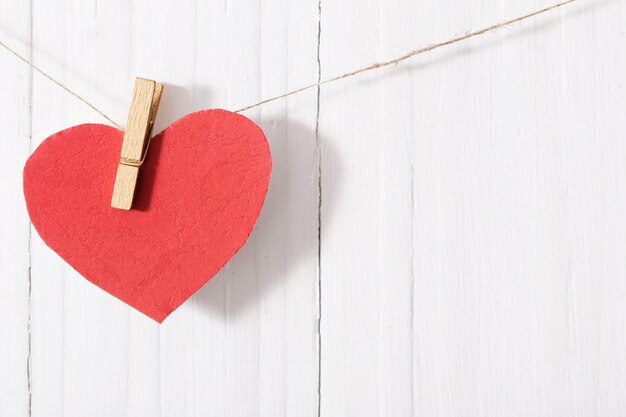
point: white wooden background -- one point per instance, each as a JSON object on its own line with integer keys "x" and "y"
{"x": 445, "y": 237}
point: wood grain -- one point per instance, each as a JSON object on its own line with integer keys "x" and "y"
{"x": 471, "y": 213}
{"x": 141, "y": 117}
{"x": 470, "y": 230}
{"x": 15, "y": 122}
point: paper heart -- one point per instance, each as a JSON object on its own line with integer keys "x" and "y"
{"x": 199, "y": 194}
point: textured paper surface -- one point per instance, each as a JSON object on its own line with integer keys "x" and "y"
{"x": 199, "y": 194}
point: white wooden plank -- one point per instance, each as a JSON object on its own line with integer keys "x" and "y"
{"x": 250, "y": 337}
{"x": 472, "y": 213}
{"x": 80, "y": 335}
{"x": 366, "y": 220}
{"x": 246, "y": 344}
{"x": 15, "y": 78}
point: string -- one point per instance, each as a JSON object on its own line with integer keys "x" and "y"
{"x": 408, "y": 55}
{"x": 60, "y": 84}
{"x": 353, "y": 73}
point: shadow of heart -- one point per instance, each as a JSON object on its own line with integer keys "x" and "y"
{"x": 282, "y": 251}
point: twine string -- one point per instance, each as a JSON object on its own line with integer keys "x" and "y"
{"x": 410, "y": 54}
{"x": 350, "y": 74}
{"x": 60, "y": 84}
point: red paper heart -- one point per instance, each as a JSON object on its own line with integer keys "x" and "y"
{"x": 199, "y": 194}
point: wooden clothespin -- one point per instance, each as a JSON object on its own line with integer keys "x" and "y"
{"x": 143, "y": 110}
